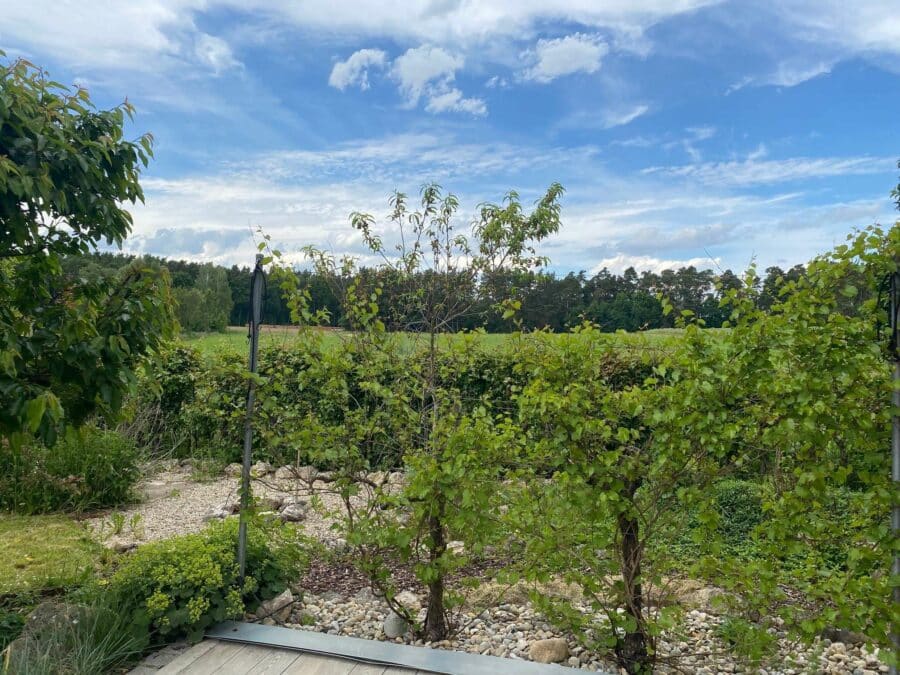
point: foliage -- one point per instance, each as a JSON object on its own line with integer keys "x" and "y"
{"x": 80, "y": 640}
{"x": 43, "y": 554}
{"x": 180, "y": 586}
{"x": 68, "y": 349}
{"x": 206, "y": 305}
{"x": 626, "y": 301}
{"x": 804, "y": 391}
{"x": 88, "y": 469}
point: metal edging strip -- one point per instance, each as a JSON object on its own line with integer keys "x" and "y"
{"x": 442, "y": 661}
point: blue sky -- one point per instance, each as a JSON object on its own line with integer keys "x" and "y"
{"x": 685, "y": 131}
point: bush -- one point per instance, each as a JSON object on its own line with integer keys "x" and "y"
{"x": 88, "y": 469}
{"x": 181, "y": 586}
{"x": 740, "y": 509}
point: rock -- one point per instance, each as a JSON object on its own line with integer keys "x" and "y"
{"x": 293, "y": 512}
{"x": 260, "y": 469}
{"x": 120, "y": 545}
{"x": 409, "y": 600}
{"x": 217, "y": 513}
{"x": 394, "y": 626}
{"x": 552, "y": 650}
{"x": 456, "y": 547}
{"x": 286, "y": 472}
{"x": 574, "y": 662}
{"x": 278, "y": 608}
{"x": 233, "y": 470}
{"x": 848, "y": 637}
{"x": 271, "y": 502}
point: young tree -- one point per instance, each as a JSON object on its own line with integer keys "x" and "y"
{"x": 68, "y": 348}
{"x": 448, "y": 267}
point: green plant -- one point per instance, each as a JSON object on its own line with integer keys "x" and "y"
{"x": 117, "y": 521}
{"x": 77, "y": 640}
{"x": 69, "y": 348}
{"x": 11, "y": 624}
{"x": 88, "y": 469}
{"x": 180, "y": 586}
{"x": 747, "y": 639}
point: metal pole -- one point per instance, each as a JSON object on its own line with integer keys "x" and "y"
{"x": 256, "y": 288}
{"x": 895, "y": 443}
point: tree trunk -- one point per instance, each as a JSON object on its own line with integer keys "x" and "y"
{"x": 631, "y": 649}
{"x": 435, "y": 620}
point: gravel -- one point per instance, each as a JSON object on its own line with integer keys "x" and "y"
{"x": 337, "y": 600}
{"x": 509, "y": 629}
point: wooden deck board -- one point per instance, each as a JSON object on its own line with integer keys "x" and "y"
{"x": 191, "y": 655}
{"x": 276, "y": 662}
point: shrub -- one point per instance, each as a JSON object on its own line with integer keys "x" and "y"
{"x": 88, "y": 469}
{"x": 181, "y": 586}
{"x": 740, "y": 510}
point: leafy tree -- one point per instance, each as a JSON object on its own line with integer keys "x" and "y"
{"x": 69, "y": 348}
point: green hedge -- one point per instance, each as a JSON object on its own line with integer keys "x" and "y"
{"x": 88, "y": 469}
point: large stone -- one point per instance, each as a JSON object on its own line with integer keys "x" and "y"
{"x": 260, "y": 469}
{"x": 395, "y": 626}
{"x": 278, "y": 608}
{"x": 409, "y": 600}
{"x": 551, "y": 650}
{"x": 271, "y": 502}
{"x": 120, "y": 544}
{"x": 293, "y": 512}
{"x": 286, "y": 472}
{"x": 233, "y": 470}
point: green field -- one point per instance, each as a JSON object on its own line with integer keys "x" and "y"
{"x": 234, "y": 339}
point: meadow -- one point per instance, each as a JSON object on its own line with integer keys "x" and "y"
{"x": 235, "y": 338}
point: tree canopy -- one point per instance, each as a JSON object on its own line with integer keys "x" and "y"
{"x": 69, "y": 347}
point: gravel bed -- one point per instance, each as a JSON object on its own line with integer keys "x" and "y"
{"x": 508, "y": 630}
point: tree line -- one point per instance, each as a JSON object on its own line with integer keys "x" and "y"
{"x": 210, "y": 297}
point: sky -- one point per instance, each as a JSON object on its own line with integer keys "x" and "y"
{"x": 704, "y": 132}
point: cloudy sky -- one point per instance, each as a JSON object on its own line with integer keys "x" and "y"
{"x": 701, "y": 131}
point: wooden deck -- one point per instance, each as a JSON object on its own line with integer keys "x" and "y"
{"x": 233, "y": 658}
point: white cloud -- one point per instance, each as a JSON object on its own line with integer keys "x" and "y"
{"x": 786, "y": 75}
{"x": 497, "y": 82}
{"x": 859, "y": 27}
{"x": 622, "y": 261}
{"x": 429, "y": 72}
{"x": 425, "y": 68}
{"x": 578, "y": 53}
{"x": 754, "y": 171}
{"x": 215, "y": 53}
{"x": 453, "y": 100}
{"x": 355, "y": 70}
{"x": 620, "y": 118}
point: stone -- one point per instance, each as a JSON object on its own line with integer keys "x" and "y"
{"x": 260, "y": 469}
{"x": 293, "y": 512}
{"x": 394, "y": 626}
{"x": 277, "y": 608}
{"x": 552, "y": 650}
{"x": 233, "y": 470}
{"x": 456, "y": 547}
{"x": 271, "y": 502}
{"x": 286, "y": 472}
{"x": 409, "y": 600}
{"x": 120, "y": 545}
{"x": 847, "y": 637}
{"x": 574, "y": 662}
{"x": 223, "y": 510}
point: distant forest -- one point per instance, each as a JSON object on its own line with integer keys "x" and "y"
{"x": 211, "y": 297}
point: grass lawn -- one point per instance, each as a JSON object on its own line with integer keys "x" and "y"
{"x": 234, "y": 339}
{"x": 43, "y": 553}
